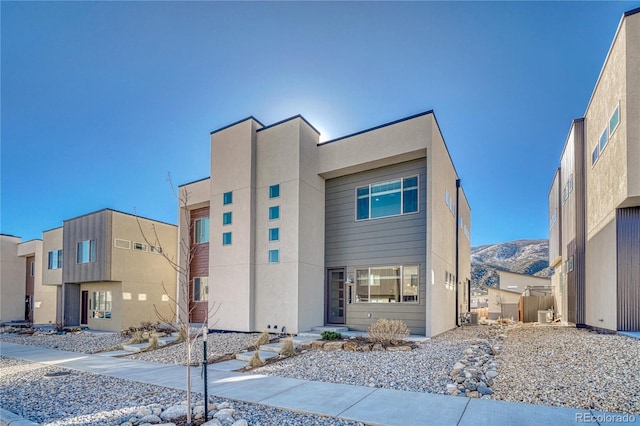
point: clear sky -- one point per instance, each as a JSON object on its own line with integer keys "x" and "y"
{"x": 101, "y": 100}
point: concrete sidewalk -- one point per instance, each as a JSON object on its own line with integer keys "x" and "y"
{"x": 368, "y": 405}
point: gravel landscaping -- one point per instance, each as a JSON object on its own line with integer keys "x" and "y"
{"x": 538, "y": 364}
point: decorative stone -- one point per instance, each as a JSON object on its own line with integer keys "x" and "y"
{"x": 225, "y": 412}
{"x": 377, "y": 347}
{"x": 224, "y": 405}
{"x": 241, "y": 422}
{"x": 333, "y": 346}
{"x": 213, "y": 422}
{"x": 485, "y": 390}
{"x": 304, "y": 346}
{"x": 491, "y": 374}
{"x": 143, "y": 412}
{"x": 150, "y": 418}
{"x": 173, "y": 413}
{"x": 399, "y": 349}
{"x": 458, "y": 366}
{"x": 317, "y": 344}
{"x": 350, "y": 346}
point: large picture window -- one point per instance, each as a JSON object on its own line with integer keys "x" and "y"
{"x": 201, "y": 289}
{"x": 387, "y": 284}
{"x": 201, "y": 230}
{"x": 390, "y": 198}
{"x": 102, "y": 304}
{"x": 86, "y": 251}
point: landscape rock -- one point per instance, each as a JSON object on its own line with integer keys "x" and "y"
{"x": 333, "y": 346}
{"x": 174, "y": 413}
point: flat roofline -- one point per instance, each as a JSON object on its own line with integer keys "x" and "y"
{"x": 251, "y": 117}
{"x": 118, "y": 211}
{"x": 378, "y": 127}
{"x": 606, "y": 59}
{"x": 28, "y": 241}
{"x": 53, "y": 229}
{"x": 9, "y": 235}
{"x": 195, "y": 181}
{"x": 289, "y": 119}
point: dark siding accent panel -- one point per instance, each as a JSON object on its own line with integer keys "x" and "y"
{"x": 390, "y": 241}
{"x": 71, "y": 304}
{"x": 575, "y": 285}
{"x": 628, "y": 255}
{"x": 97, "y": 227}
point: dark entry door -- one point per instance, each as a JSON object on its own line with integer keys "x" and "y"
{"x": 335, "y": 296}
{"x": 84, "y": 307}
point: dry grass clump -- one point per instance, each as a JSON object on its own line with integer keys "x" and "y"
{"x": 136, "y": 338}
{"x": 287, "y": 348}
{"x": 387, "y": 332}
{"x": 256, "y": 361}
{"x": 262, "y": 339}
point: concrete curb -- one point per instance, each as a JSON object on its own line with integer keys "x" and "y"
{"x": 7, "y": 418}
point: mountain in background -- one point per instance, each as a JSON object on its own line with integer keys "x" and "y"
{"x": 529, "y": 257}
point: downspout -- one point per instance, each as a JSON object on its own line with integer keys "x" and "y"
{"x": 457, "y": 248}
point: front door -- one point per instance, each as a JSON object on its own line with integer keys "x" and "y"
{"x": 335, "y": 296}
{"x": 84, "y": 309}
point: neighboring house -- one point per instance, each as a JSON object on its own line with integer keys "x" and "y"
{"x": 503, "y": 303}
{"x": 518, "y": 283}
{"x": 291, "y": 233}
{"x": 22, "y": 295}
{"x": 112, "y": 277}
{"x": 594, "y": 200}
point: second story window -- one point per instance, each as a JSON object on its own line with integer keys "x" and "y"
{"x": 86, "y": 251}
{"x": 274, "y": 212}
{"x": 201, "y": 230}
{"x": 55, "y": 259}
{"x": 384, "y": 199}
{"x": 227, "y": 218}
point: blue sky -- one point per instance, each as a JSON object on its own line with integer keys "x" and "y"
{"x": 101, "y": 100}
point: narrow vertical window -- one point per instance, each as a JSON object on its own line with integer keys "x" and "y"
{"x": 274, "y": 191}
{"x": 274, "y": 256}
{"x": 410, "y": 195}
{"x": 362, "y": 195}
{"x": 274, "y": 212}
{"x": 226, "y": 238}
{"x": 227, "y": 198}
{"x": 274, "y": 234}
{"x": 594, "y": 155}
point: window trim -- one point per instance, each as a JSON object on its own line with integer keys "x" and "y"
{"x": 274, "y": 187}
{"x": 206, "y": 293}
{"x": 402, "y": 212}
{"x": 143, "y": 246}
{"x": 120, "y": 240}
{"x": 225, "y": 195}
{"x": 401, "y": 276}
{"x": 108, "y": 305}
{"x": 195, "y": 229}
{"x": 616, "y": 109}
{"x": 278, "y": 210}
{"x": 92, "y": 254}
{"x": 277, "y": 230}
{"x": 58, "y": 259}
{"x": 276, "y": 252}
{"x": 226, "y": 215}
{"x": 224, "y": 237}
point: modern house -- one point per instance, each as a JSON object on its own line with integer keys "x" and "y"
{"x": 23, "y": 298}
{"x": 594, "y": 200}
{"x": 107, "y": 270}
{"x": 289, "y": 233}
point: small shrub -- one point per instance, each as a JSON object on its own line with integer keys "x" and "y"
{"x": 262, "y": 339}
{"x": 287, "y": 348}
{"x": 256, "y": 361}
{"x": 387, "y": 332}
{"x": 331, "y": 335}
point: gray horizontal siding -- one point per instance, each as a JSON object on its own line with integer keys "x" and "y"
{"x": 397, "y": 240}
